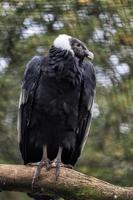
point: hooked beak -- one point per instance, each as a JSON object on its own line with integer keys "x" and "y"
{"x": 89, "y": 54}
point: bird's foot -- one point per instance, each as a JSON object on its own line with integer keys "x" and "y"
{"x": 39, "y": 165}
{"x": 33, "y": 164}
{"x": 56, "y": 163}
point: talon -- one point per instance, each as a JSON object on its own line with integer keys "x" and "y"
{"x": 36, "y": 173}
{"x": 68, "y": 166}
{"x": 44, "y": 162}
{"x": 57, "y": 173}
{"x": 57, "y": 163}
{"x": 40, "y": 165}
{"x": 32, "y": 164}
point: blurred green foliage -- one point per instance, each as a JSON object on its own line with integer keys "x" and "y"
{"x": 27, "y": 28}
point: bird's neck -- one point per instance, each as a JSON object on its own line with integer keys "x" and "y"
{"x": 58, "y": 54}
{"x": 64, "y": 65}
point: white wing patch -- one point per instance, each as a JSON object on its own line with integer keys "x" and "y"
{"x": 22, "y": 100}
{"x": 90, "y": 107}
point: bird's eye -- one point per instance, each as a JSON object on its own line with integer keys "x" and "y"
{"x": 78, "y": 45}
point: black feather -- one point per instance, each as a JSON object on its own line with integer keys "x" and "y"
{"x": 58, "y": 89}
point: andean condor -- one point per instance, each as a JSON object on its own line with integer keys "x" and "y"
{"x": 55, "y": 106}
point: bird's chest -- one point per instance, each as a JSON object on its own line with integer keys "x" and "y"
{"x": 57, "y": 97}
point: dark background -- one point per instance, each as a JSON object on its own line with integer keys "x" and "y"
{"x": 27, "y": 28}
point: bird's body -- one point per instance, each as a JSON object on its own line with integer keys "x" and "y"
{"x": 55, "y": 106}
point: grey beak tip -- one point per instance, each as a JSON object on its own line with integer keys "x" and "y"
{"x": 90, "y": 55}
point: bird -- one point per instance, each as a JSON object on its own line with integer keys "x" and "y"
{"x": 55, "y": 105}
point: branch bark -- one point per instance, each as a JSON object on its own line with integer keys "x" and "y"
{"x": 70, "y": 184}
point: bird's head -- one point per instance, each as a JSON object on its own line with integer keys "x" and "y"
{"x": 73, "y": 45}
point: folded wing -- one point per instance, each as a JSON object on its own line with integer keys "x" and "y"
{"x": 87, "y": 95}
{"x": 29, "y": 85}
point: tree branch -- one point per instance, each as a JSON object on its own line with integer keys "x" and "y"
{"x": 70, "y": 184}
